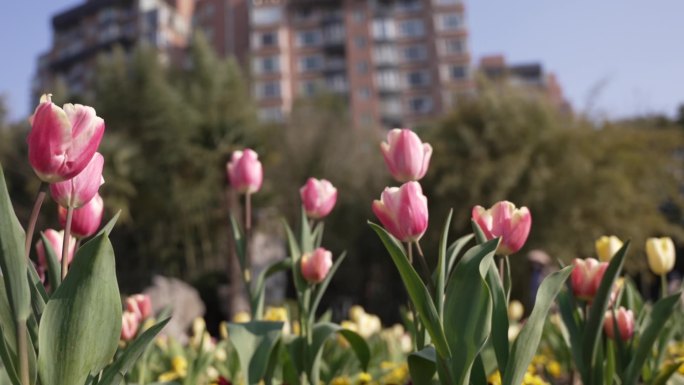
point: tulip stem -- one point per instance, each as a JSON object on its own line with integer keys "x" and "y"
{"x": 501, "y": 270}
{"x": 22, "y": 348}
{"x": 410, "y": 252}
{"x": 65, "y": 244}
{"x": 663, "y": 285}
{"x": 424, "y": 266}
{"x": 42, "y": 191}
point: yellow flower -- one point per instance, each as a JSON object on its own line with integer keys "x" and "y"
{"x": 179, "y": 369}
{"x": 396, "y": 376}
{"x": 241, "y": 317}
{"x": 554, "y": 369}
{"x": 223, "y": 330}
{"x": 661, "y": 255}
{"x": 278, "y": 314}
{"x": 356, "y": 312}
{"x": 607, "y": 246}
{"x": 344, "y": 380}
{"x": 364, "y": 378}
{"x": 515, "y": 310}
{"x": 494, "y": 378}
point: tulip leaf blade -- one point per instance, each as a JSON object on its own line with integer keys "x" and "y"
{"x": 525, "y": 346}
{"x": 107, "y": 229}
{"x": 306, "y": 238}
{"x": 320, "y": 288}
{"x": 653, "y": 325}
{"x": 258, "y": 294}
{"x": 80, "y": 327}
{"x": 321, "y": 333}
{"x": 254, "y": 341}
{"x": 114, "y": 373}
{"x": 453, "y": 251}
{"x": 240, "y": 241}
{"x": 419, "y": 294}
{"x": 500, "y": 322}
{"x": 423, "y": 365}
{"x": 594, "y": 324}
{"x": 468, "y": 310}
{"x": 441, "y": 268}
{"x": 13, "y": 263}
{"x": 54, "y": 268}
{"x": 295, "y": 255}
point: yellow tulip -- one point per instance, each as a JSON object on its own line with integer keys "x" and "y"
{"x": 607, "y": 246}
{"x": 661, "y": 255}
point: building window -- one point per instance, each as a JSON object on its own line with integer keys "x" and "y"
{"x": 362, "y": 67}
{"x": 271, "y": 114}
{"x": 359, "y": 16}
{"x": 448, "y": 22}
{"x": 384, "y": 29}
{"x": 360, "y": 42}
{"x": 364, "y": 93}
{"x": 309, "y": 38}
{"x": 414, "y": 53}
{"x": 446, "y": 2}
{"x": 417, "y": 78}
{"x": 267, "y": 15}
{"x": 337, "y": 83}
{"x": 268, "y": 90}
{"x": 391, "y": 107}
{"x": 409, "y": 5}
{"x": 385, "y": 54}
{"x": 388, "y": 80}
{"x": 268, "y": 39}
{"x": 451, "y": 46}
{"x": 309, "y": 87}
{"x": 411, "y": 28}
{"x": 267, "y": 65}
{"x": 310, "y": 63}
{"x": 420, "y": 104}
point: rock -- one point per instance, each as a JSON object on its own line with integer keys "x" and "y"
{"x": 181, "y": 298}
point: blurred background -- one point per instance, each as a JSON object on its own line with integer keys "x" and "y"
{"x": 574, "y": 110}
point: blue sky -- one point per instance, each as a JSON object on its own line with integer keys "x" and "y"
{"x": 614, "y": 58}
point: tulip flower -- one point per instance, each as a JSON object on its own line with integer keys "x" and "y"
{"x": 130, "y": 322}
{"x": 80, "y": 189}
{"x": 625, "y": 323}
{"x": 607, "y": 246}
{"x": 140, "y": 305}
{"x": 586, "y": 277}
{"x": 315, "y": 265}
{"x": 661, "y": 255}
{"x": 407, "y": 158}
{"x": 403, "y": 211}
{"x": 318, "y": 197}
{"x": 86, "y": 220}
{"x": 506, "y": 221}
{"x": 62, "y": 141}
{"x": 56, "y": 240}
{"x": 245, "y": 172}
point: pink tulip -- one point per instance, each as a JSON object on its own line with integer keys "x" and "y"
{"x": 625, "y": 323}
{"x": 80, "y": 189}
{"x": 586, "y": 277}
{"x": 506, "y": 221}
{"x": 406, "y": 156}
{"x": 245, "y": 172}
{"x": 315, "y": 266}
{"x": 56, "y": 240}
{"x": 403, "y": 211}
{"x": 140, "y": 305}
{"x": 86, "y": 220}
{"x": 318, "y": 197}
{"x": 62, "y": 141}
{"x": 130, "y": 322}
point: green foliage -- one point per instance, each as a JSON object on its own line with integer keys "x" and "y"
{"x": 254, "y": 341}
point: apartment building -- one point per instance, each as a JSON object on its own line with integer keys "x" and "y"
{"x": 83, "y": 32}
{"x": 397, "y": 62}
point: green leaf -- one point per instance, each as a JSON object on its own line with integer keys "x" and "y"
{"x": 666, "y": 372}
{"x": 320, "y": 289}
{"x": 420, "y": 297}
{"x": 240, "y": 241}
{"x": 422, "y": 365}
{"x": 468, "y": 309}
{"x": 318, "y": 234}
{"x": 306, "y": 239}
{"x": 296, "y": 255}
{"x": 321, "y": 332}
{"x": 359, "y": 345}
{"x": 107, "y": 229}
{"x": 54, "y": 267}
{"x": 12, "y": 260}
{"x": 441, "y": 268}
{"x": 499, "y": 318}
{"x": 80, "y": 328}
{"x": 9, "y": 358}
{"x": 258, "y": 294}
{"x": 453, "y": 251}
{"x": 654, "y": 323}
{"x": 527, "y": 342}
{"x": 115, "y": 372}
{"x": 254, "y": 342}
{"x": 594, "y": 325}
{"x": 568, "y": 312}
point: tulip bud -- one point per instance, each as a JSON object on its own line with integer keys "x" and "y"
{"x": 315, "y": 265}
{"x": 407, "y": 158}
{"x": 607, "y": 246}
{"x": 506, "y": 221}
{"x": 86, "y": 220}
{"x": 403, "y": 211}
{"x": 516, "y": 310}
{"x": 318, "y": 197}
{"x": 140, "y": 305}
{"x": 245, "y": 172}
{"x": 129, "y": 325}
{"x": 80, "y": 189}
{"x": 625, "y": 322}
{"x": 62, "y": 141}
{"x": 661, "y": 255}
{"x": 586, "y": 277}
{"x": 56, "y": 240}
